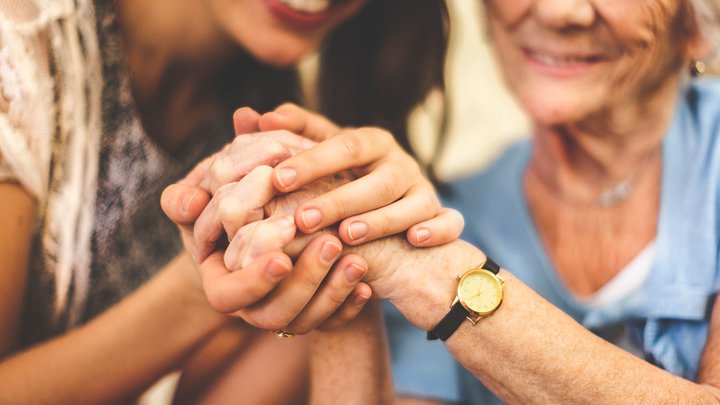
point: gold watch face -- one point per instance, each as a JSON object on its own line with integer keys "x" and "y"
{"x": 480, "y": 291}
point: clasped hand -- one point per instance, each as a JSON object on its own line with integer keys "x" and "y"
{"x": 272, "y": 196}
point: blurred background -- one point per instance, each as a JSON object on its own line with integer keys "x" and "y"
{"x": 483, "y": 117}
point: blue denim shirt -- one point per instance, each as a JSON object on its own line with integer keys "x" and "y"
{"x": 669, "y": 317}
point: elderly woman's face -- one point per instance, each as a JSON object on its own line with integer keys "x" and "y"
{"x": 281, "y": 32}
{"x": 566, "y": 60}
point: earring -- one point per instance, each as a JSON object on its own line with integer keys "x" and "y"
{"x": 697, "y": 68}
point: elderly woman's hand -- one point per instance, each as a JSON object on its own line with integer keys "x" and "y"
{"x": 312, "y": 292}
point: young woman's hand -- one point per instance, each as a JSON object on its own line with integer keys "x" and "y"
{"x": 390, "y": 195}
{"x": 265, "y": 291}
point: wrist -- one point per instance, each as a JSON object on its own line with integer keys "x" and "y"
{"x": 420, "y": 282}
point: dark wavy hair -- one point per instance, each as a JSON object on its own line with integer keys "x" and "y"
{"x": 374, "y": 68}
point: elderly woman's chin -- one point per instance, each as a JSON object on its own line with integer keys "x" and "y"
{"x": 559, "y": 107}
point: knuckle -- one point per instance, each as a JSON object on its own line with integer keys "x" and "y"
{"x": 223, "y": 191}
{"x": 216, "y": 172}
{"x": 335, "y": 206}
{"x": 313, "y": 279}
{"x": 387, "y": 188}
{"x": 383, "y": 225}
{"x": 428, "y": 202}
{"x": 311, "y": 274}
{"x": 384, "y": 137}
{"x": 237, "y": 143}
{"x": 352, "y": 146}
{"x": 336, "y": 297}
{"x": 275, "y": 148}
{"x": 218, "y": 302}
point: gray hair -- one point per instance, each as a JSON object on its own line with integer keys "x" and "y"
{"x": 707, "y": 17}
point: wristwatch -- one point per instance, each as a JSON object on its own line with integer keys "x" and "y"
{"x": 479, "y": 294}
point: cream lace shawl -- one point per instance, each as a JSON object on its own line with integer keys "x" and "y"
{"x": 50, "y": 93}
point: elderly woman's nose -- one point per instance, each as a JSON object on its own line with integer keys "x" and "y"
{"x": 562, "y": 14}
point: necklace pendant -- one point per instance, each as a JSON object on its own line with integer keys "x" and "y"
{"x": 615, "y": 193}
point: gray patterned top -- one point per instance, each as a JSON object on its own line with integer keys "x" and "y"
{"x": 131, "y": 238}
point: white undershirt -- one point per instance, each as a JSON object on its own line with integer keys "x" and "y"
{"x": 628, "y": 281}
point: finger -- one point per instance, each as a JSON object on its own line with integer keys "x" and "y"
{"x": 349, "y": 149}
{"x": 258, "y": 238}
{"x": 350, "y": 309}
{"x": 237, "y": 162}
{"x": 199, "y": 172}
{"x": 300, "y": 121}
{"x": 377, "y": 189}
{"x": 245, "y": 200}
{"x": 418, "y": 205}
{"x": 249, "y": 151}
{"x": 285, "y": 302}
{"x": 331, "y": 296}
{"x": 245, "y": 121}
{"x": 183, "y": 203}
{"x": 443, "y": 228}
{"x": 231, "y": 291}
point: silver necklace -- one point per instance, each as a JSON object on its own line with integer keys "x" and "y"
{"x": 607, "y": 196}
{"x": 616, "y": 193}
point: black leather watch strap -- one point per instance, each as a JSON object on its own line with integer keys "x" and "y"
{"x": 491, "y": 266}
{"x": 449, "y": 324}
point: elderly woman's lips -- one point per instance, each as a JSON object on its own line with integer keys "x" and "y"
{"x": 562, "y": 63}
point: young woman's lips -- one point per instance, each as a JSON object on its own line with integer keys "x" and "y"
{"x": 562, "y": 64}
{"x": 294, "y": 17}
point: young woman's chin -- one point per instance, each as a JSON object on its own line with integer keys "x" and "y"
{"x": 279, "y": 54}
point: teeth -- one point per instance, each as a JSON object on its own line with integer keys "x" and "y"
{"x": 556, "y": 61}
{"x": 307, "y": 6}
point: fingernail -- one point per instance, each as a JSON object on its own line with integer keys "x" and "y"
{"x": 357, "y": 230}
{"x": 187, "y": 200}
{"x": 353, "y": 273}
{"x": 277, "y": 269}
{"x": 421, "y": 235}
{"x": 311, "y": 217}
{"x": 229, "y": 258}
{"x": 286, "y": 176}
{"x": 223, "y": 165}
{"x": 288, "y": 230}
{"x": 329, "y": 252}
